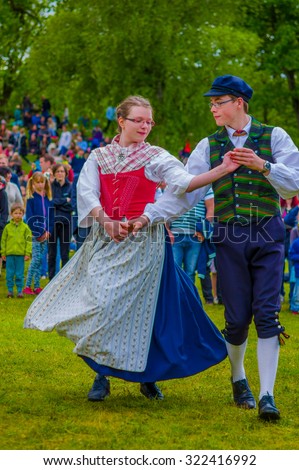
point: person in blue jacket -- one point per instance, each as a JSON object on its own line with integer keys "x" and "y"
{"x": 38, "y": 217}
{"x": 62, "y": 224}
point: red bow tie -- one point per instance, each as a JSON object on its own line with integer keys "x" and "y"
{"x": 238, "y": 133}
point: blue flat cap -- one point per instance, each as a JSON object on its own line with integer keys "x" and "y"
{"x": 230, "y": 85}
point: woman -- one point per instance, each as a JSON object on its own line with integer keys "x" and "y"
{"x": 131, "y": 311}
{"x": 61, "y": 194}
{"x": 13, "y": 192}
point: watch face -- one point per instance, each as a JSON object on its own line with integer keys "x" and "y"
{"x": 267, "y": 166}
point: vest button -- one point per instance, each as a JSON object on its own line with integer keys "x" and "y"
{"x": 251, "y": 193}
{"x": 250, "y": 182}
{"x": 249, "y": 172}
{"x": 237, "y": 195}
{"x": 237, "y": 205}
{"x": 222, "y": 145}
{"x": 256, "y": 151}
{"x": 236, "y": 184}
{"x": 235, "y": 174}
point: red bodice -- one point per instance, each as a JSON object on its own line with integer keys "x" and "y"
{"x": 126, "y": 194}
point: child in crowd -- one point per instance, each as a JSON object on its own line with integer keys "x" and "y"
{"x": 38, "y": 205}
{"x": 16, "y": 248}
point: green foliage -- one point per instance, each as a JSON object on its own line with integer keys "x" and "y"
{"x": 93, "y": 54}
{"x": 20, "y": 23}
{"x": 44, "y": 406}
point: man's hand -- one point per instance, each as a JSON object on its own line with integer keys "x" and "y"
{"x": 247, "y": 157}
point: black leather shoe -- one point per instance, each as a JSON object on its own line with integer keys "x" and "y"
{"x": 151, "y": 390}
{"x": 267, "y": 408}
{"x": 242, "y": 394}
{"x": 100, "y": 389}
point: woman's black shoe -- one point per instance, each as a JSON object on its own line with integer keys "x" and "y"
{"x": 151, "y": 390}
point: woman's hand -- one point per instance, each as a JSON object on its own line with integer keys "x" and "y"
{"x": 137, "y": 224}
{"x": 229, "y": 163}
{"x": 117, "y": 230}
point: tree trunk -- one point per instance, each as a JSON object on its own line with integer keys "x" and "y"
{"x": 7, "y": 91}
{"x": 295, "y": 100}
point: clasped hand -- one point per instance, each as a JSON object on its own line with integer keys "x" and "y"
{"x": 246, "y": 157}
{"x": 119, "y": 230}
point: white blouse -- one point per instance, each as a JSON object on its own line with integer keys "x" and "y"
{"x": 164, "y": 167}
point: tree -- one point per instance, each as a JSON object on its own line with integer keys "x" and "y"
{"x": 98, "y": 52}
{"x": 276, "y": 22}
{"x": 20, "y": 22}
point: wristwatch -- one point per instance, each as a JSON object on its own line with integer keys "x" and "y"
{"x": 266, "y": 167}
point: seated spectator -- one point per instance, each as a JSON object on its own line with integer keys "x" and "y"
{"x": 34, "y": 147}
{"x": 15, "y": 163}
{"x": 22, "y": 147}
{"x": 65, "y": 140}
{"x": 80, "y": 142}
{"x": 78, "y": 160}
{"x": 4, "y": 134}
{"x": 96, "y": 137}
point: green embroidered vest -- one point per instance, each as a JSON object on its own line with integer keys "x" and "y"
{"x": 244, "y": 195}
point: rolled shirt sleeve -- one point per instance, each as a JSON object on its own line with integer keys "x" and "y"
{"x": 284, "y": 174}
{"x": 175, "y": 201}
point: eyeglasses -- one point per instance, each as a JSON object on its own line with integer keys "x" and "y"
{"x": 141, "y": 121}
{"x": 218, "y": 104}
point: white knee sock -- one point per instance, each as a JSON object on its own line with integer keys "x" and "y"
{"x": 236, "y": 356}
{"x": 267, "y": 358}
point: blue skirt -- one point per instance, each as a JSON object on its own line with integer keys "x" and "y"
{"x": 184, "y": 340}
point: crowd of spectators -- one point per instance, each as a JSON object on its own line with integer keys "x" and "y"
{"x": 37, "y": 140}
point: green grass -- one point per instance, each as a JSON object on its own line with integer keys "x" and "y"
{"x": 44, "y": 386}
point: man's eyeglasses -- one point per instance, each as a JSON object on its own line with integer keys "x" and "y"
{"x": 218, "y": 104}
{"x": 141, "y": 121}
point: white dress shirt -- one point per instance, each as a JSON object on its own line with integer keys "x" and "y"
{"x": 284, "y": 174}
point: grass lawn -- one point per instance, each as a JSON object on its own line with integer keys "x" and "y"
{"x": 44, "y": 406}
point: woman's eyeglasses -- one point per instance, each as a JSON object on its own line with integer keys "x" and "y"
{"x": 141, "y": 121}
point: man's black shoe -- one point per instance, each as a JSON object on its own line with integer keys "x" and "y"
{"x": 151, "y": 390}
{"x": 242, "y": 394}
{"x": 100, "y": 389}
{"x": 267, "y": 408}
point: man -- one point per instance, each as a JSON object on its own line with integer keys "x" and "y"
{"x": 46, "y": 107}
{"x": 45, "y": 163}
{"x": 249, "y": 233}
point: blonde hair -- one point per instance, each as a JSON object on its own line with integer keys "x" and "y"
{"x": 124, "y": 108}
{"x": 35, "y": 178}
